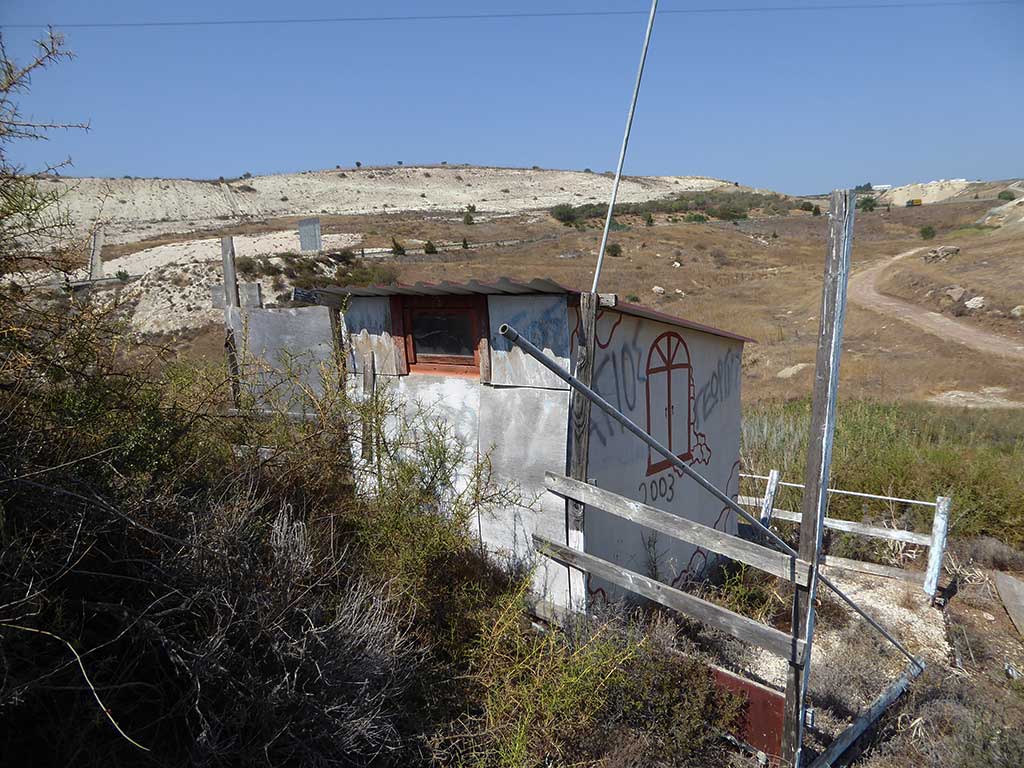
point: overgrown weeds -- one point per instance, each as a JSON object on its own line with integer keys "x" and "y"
{"x": 907, "y": 450}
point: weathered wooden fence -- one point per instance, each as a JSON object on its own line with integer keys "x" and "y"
{"x": 935, "y": 542}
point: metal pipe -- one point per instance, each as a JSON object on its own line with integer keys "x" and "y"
{"x": 625, "y": 142}
{"x": 513, "y": 336}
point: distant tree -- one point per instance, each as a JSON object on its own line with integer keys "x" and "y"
{"x": 775, "y": 235}
{"x": 246, "y": 175}
{"x": 816, "y": 211}
{"x": 358, "y": 164}
{"x": 649, "y": 219}
{"x": 863, "y": 187}
{"x": 927, "y": 232}
{"x": 867, "y": 204}
{"x": 399, "y": 162}
{"x": 807, "y": 205}
{"x": 471, "y": 208}
{"x": 587, "y": 170}
{"x": 465, "y": 244}
{"x": 429, "y": 248}
{"x": 468, "y": 218}
{"x": 397, "y": 248}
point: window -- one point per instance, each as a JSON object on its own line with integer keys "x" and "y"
{"x": 448, "y": 333}
{"x": 444, "y": 333}
{"x": 669, "y": 399}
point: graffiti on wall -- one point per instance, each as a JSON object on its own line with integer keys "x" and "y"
{"x": 724, "y": 380}
{"x": 682, "y": 387}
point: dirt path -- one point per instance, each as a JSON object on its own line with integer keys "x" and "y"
{"x": 863, "y": 290}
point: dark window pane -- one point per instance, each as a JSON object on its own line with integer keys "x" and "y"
{"x": 442, "y": 333}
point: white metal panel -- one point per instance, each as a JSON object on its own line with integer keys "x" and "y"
{"x": 544, "y": 320}
{"x": 368, "y": 330}
{"x": 524, "y": 432}
{"x": 683, "y": 387}
{"x": 281, "y": 349}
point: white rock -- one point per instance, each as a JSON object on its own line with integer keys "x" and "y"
{"x": 658, "y": 290}
{"x": 978, "y": 302}
{"x": 791, "y": 371}
{"x": 676, "y": 264}
{"x": 1018, "y": 311}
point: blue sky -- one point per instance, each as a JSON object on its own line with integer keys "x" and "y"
{"x": 800, "y": 102}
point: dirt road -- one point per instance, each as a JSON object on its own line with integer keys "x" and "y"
{"x": 864, "y": 291}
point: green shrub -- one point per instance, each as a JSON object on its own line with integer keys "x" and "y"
{"x": 467, "y": 218}
{"x": 649, "y": 219}
{"x": 696, "y": 218}
{"x": 465, "y": 244}
{"x": 816, "y": 211}
{"x": 397, "y": 248}
{"x": 867, "y": 204}
{"x": 927, "y": 232}
{"x": 613, "y": 249}
{"x": 1006, "y": 195}
{"x": 122, "y": 275}
{"x": 807, "y": 205}
{"x": 429, "y": 248}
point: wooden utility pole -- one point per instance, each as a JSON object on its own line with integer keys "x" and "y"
{"x": 231, "y": 310}
{"x": 580, "y": 448}
{"x": 819, "y": 459}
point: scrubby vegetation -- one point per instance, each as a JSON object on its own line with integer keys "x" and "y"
{"x": 725, "y": 206}
{"x": 172, "y": 594}
{"x": 907, "y": 450}
{"x": 317, "y": 271}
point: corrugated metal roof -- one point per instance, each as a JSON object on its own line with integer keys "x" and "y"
{"x": 652, "y": 314}
{"x": 502, "y": 286}
{"x": 506, "y": 286}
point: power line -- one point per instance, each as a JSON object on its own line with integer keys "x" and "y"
{"x": 517, "y": 15}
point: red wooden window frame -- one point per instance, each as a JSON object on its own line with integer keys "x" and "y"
{"x": 465, "y": 365}
{"x": 667, "y": 364}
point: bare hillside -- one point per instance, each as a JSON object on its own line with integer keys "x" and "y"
{"x": 132, "y": 209}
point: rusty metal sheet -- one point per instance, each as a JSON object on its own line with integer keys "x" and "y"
{"x": 762, "y": 715}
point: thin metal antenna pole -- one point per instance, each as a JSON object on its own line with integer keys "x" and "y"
{"x": 625, "y": 143}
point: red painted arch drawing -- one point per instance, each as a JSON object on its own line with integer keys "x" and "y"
{"x": 669, "y": 384}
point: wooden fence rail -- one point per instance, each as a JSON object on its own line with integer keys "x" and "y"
{"x": 769, "y": 560}
{"x": 775, "y": 641}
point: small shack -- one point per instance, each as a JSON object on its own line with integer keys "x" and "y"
{"x": 437, "y": 346}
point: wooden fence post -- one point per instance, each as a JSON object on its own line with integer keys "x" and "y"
{"x": 231, "y": 311}
{"x": 940, "y": 525}
{"x": 580, "y": 449}
{"x": 819, "y": 459}
{"x": 771, "y": 488}
{"x": 369, "y": 389}
{"x": 96, "y": 255}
